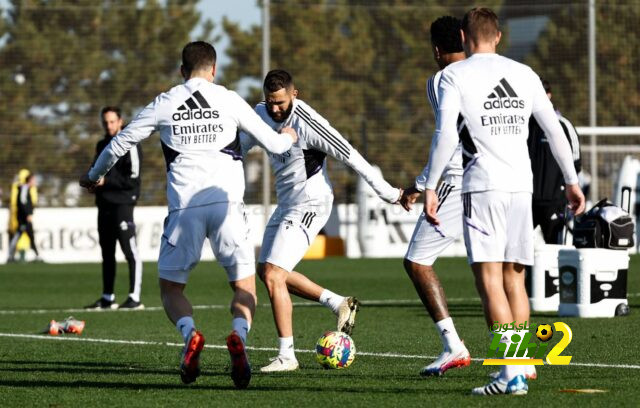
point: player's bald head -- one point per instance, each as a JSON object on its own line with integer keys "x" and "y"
{"x": 480, "y": 24}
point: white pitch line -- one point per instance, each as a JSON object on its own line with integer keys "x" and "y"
{"x": 378, "y": 302}
{"x": 221, "y": 347}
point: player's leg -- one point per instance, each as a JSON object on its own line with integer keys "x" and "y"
{"x": 180, "y": 250}
{"x": 345, "y": 308}
{"x": 127, "y": 238}
{"x": 108, "y": 236}
{"x": 13, "y": 244}
{"x": 32, "y": 238}
{"x": 228, "y": 234}
{"x": 285, "y": 242}
{"x": 487, "y": 241}
{"x": 427, "y": 243}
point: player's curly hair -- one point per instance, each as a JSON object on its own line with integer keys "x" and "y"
{"x": 445, "y": 34}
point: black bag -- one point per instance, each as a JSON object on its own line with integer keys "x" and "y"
{"x": 604, "y": 226}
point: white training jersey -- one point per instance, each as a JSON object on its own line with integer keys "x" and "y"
{"x": 300, "y": 173}
{"x": 199, "y": 124}
{"x": 452, "y": 173}
{"x": 495, "y": 96}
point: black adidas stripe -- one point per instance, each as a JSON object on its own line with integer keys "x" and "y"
{"x": 444, "y": 197}
{"x": 191, "y": 103}
{"x": 431, "y": 92}
{"x": 500, "y": 92}
{"x": 508, "y": 88}
{"x": 203, "y": 102}
{"x": 322, "y": 131}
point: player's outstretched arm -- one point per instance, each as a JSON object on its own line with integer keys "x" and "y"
{"x": 139, "y": 129}
{"x": 322, "y": 136}
{"x": 251, "y": 123}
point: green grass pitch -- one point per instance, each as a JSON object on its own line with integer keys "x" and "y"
{"x": 60, "y": 373}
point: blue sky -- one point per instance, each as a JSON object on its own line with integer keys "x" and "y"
{"x": 245, "y": 12}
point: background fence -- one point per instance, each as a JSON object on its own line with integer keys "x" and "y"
{"x": 361, "y": 64}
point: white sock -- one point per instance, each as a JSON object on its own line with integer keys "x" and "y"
{"x": 285, "y": 347}
{"x": 331, "y": 300}
{"x": 448, "y": 334}
{"x": 185, "y": 326}
{"x": 509, "y": 372}
{"x": 242, "y": 327}
{"x": 109, "y": 297}
{"x": 134, "y": 297}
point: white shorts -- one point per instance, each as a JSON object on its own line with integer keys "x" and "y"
{"x": 226, "y": 226}
{"x": 290, "y": 231}
{"x": 428, "y": 240}
{"x": 498, "y": 227}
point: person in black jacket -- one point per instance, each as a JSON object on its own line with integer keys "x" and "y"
{"x": 549, "y": 201}
{"x": 116, "y": 195}
{"x": 25, "y": 218}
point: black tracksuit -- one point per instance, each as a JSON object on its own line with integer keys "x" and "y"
{"x": 115, "y": 201}
{"x": 549, "y": 201}
{"x": 25, "y": 209}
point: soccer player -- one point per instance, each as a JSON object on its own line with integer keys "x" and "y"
{"x": 428, "y": 241}
{"x": 548, "y": 198}
{"x": 495, "y": 96}
{"x": 115, "y": 199}
{"x": 305, "y": 198}
{"x": 25, "y": 207}
{"x": 199, "y": 123}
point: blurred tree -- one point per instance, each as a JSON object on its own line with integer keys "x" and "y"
{"x": 361, "y": 64}
{"x": 65, "y": 59}
{"x": 561, "y": 57}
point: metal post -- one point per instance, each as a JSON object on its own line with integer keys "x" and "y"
{"x": 266, "y": 62}
{"x": 592, "y": 100}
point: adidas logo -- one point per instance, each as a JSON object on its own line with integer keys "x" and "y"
{"x": 445, "y": 332}
{"x": 503, "y": 96}
{"x": 195, "y": 107}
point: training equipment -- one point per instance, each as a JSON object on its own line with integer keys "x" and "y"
{"x": 604, "y": 226}
{"x": 447, "y": 360}
{"x": 190, "y": 360}
{"x": 280, "y": 364}
{"x": 347, "y": 314}
{"x": 517, "y": 386}
{"x": 335, "y": 350}
{"x": 70, "y": 325}
{"x": 544, "y": 332}
{"x": 593, "y": 282}
{"x": 240, "y": 367}
{"x": 542, "y": 280}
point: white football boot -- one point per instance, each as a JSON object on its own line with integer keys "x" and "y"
{"x": 280, "y": 364}
{"x": 447, "y": 359}
{"x": 347, "y": 314}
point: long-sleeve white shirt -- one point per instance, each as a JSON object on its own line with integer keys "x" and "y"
{"x": 452, "y": 173}
{"x": 199, "y": 124}
{"x": 495, "y": 96}
{"x": 300, "y": 173}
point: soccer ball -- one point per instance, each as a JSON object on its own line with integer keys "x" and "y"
{"x": 544, "y": 332}
{"x": 335, "y": 350}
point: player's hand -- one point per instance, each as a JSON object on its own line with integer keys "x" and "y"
{"x": 291, "y": 132}
{"x": 89, "y": 184}
{"x": 409, "y": 197}
{"x": 29, "y": 218}
{"x": 431, "y": 206}
{"x": 575, "y": 198}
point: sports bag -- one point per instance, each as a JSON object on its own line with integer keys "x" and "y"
{"x": 604, "y": 226}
